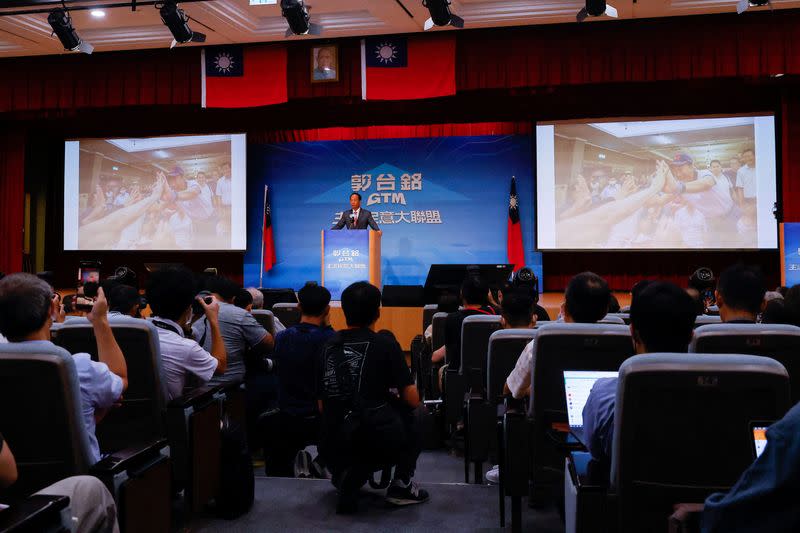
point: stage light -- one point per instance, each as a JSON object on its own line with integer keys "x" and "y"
{"x": 296, "y": 14}
{"x": 61, "y": 23}
{"x": 441, "y": 15}
{"x": 177, "y": 21}
{"x": 596, "y": 8}
{"x": 744, "y": 5}
{"x": 97, "y": 13}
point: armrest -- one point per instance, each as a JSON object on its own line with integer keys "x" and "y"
{"x": 512, "y": 405}
{"x": 34, "y": 513}
{"x": 454, "y": 389}
{"x": 128, "y": 458}
{"x": 516, "y": 436}
{"x": 586, "y": 472}
{"x": 686, "y": 518}
{"x": 196, "y": 397}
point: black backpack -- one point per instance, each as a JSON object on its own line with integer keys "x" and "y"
{"x": 237, "y": 482}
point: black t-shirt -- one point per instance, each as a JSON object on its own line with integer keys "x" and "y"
{"x": 360, "y": 364}
{"x": 452, "y": 333}
{"x": 541, "y": 313}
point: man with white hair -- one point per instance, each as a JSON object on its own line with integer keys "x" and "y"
{"x": 258, "y": 303}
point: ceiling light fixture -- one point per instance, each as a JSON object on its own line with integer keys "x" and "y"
{"x": 97, "y": 13}
{"x": 296, "y": 14}
{"x": 177, "y": 21}
{"x": 441, "y": 15}
{"x": 61, "y": 23}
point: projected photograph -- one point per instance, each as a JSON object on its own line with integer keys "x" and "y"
{"x": 161, "y": 193}
{"x": 665, "y": 184}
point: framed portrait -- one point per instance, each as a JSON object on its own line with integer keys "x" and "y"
{"x": 324, "y": 63}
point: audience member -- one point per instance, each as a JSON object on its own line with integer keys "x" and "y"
{"x": 585, "y": 301}
{"x": 170, "y": 293}
{"x": 296, "y": 357}
{"x": 27, "y": 310}
{"x": 124, "y": 301}
{"x": 448, "y": 303}
{"x": 367, "y": 398}
{"x": 91, "y": 506}
{"x": 662, "y": 320}
{"x": 613, "y": 304}
{"x": 791, "y": 304}
{"x": 699, "y": 302}
{"x": 765, "y": 496}
{"x": 243, "y": 300}
{"x": 783, "y": 291}
{"x": 258, "y": 303}
{"x": 740, "y": 294}
{"x": 532, "y": 290}
{"x": 517, "y": 311}
{"x": 775, "y": 313}
{"x": 240, "y": 331}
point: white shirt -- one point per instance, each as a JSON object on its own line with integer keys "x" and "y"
{"x": 519, "y": 381}
{"x": 692, "y": 226}
{"x": 199, "y": 207}
{"x": 180, "y": 355}
{"x": 3, "y": 340}
{"x": 746, "y": 179}
{"x": 205, "y": 192}
{"x": 182, "y": 230}
{"x": 224, "y": 190}
{"x": 714, "y": 202}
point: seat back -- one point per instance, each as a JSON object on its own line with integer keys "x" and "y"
{"x": 141, "y": 416}
{"x": 41, "y": 418}
{"x": 681, "y": 428}
{"x": 437, "y": 335}
{"x": 626, "y": 317}
{"x": 475, "y": 333}
{"x": 560, "y": 347}
{"x": 702, "y": 320}
{"x": 427, "y": 315}
{"x": 611, "y": 319}
{"x": 778, "y": 341}
{"x": 266, "y": 319}
{"x": 505, "y": 347}
{"x": 288, "y": 314}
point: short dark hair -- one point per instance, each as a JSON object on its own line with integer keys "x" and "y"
{"x": 517, "y": 308}
{"x": 122, "y": 298}
{"x": 613, "y": 304}
{"x": 223, "y": 286}
{"x": 791, "y": 303}
{"x": 361, "y": 303}
{"x": 355, "y": 194}
{"x": 715, "y": 161}
{"x": 587, "y": 297}
{"x": 474, "y": 291}
{"x": 313, "y": 299}
{"x": 775, "y": 312}
{"x": 25, "y": 302}
{"x": 662, "y": 316}
{"x": 448, "y": 303}
{"x": 170, "y": 292}
{"x": 242, "y": 299}
{"x": 742, "y": 287}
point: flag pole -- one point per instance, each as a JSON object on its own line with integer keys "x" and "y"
{"x": 263, "y": 229}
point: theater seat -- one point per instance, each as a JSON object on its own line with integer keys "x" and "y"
{"x": 190, "y": 423}
{"x": 611, "y": 319}
{"x": 37, "y": 513}
{"x": 266, "y": 319}
{"x": 437, "y": 331}
{"x": 42, "y": 419}
{"x": 427, "y": 315}
{"x": 558, "y": 347}
{"x": 703, "y": 320}
{"x": 778, "y": 341}
{"x": 681, "y": 432}
{"x": 287, "y": 313}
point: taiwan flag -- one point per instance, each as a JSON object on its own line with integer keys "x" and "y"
{"x": 408, "y": 68}
{"x": 516, "y": 252}
{"x": 268, "y": 243}
{"x": 243, "y": 75}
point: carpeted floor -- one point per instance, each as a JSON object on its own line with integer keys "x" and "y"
{"x": 309, "y": 505}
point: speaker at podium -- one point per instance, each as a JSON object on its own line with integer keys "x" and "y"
{"x": 349, "y": 256}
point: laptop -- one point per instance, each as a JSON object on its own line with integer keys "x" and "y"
{"x": 758, "y": 431}
{"x": 577, "y": 386}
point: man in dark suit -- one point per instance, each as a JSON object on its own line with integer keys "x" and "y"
{"x": 356, "y": 218}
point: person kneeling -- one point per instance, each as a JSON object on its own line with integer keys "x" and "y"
{"x": 367, "y": 400}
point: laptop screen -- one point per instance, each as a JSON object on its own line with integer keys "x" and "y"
{"x": 577, "y": 385}
{"x": 759, "y": 439}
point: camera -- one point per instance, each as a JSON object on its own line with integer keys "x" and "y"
{"x": 124, "y": 276}
{"x": 197, "y": 308}
{"x": 704, "y": 282}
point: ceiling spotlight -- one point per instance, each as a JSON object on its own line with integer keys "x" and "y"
{"x": 61, "y": 23}
{"x": 596, "y": 8}
{"x": 97, "y": 13}
{"x": 296, "y": 14}
{"x": 441, "y": 15}
{"x": 177, "y": 21}
{"x": 744, "y": 5}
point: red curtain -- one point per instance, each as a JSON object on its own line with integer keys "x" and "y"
{"x": 12, "y": 201}
{"x": 790, "y": 126}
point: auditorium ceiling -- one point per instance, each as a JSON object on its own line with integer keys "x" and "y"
{"x": 236, "y": 21}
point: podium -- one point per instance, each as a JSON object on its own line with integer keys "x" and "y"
{"x": 349, "y": 256}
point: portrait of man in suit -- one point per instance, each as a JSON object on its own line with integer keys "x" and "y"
{"x": 356, "y": 217}
{"x": 324, "y": 65}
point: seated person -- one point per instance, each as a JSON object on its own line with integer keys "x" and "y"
{"x": 662, "y": 320}
{"x": 540, "y": 313}
{"x": 243, "y": 300}
{"x": 170, "y": 293}
{"x": 740, "y": 294}
{"x": 367, "y": 400}
{"x": 240, "y": 331}
{"x": 258, "y": 303}
{"x": 585, "y": 301}
{"x": 124, "y": 301}
{"x": 91, "y": 506}
{"x": 765, "y": 497}
{"x": 297, "y": 352}
{"x": 27, "y": 308}
{"x": 475, "y": 301}
{"x": 448, "y": 303}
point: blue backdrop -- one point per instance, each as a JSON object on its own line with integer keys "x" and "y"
{"x": 437, "y": 200}
{"x": 791, "y": 253}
